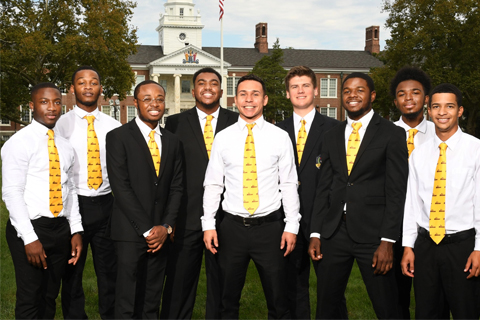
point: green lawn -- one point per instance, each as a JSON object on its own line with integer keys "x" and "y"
{"x": 253, "y": 305}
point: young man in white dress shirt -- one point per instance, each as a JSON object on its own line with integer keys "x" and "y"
{"x": 95, "y": 201}
{"x": 253, "y": 160}
{"x": 43, "y": 231}
{"x": 441, "y": 228}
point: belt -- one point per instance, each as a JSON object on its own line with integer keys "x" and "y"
{"x": 95, "y": 199}
{"x": 449, "y": 238}
{"x": 247, "y": 222}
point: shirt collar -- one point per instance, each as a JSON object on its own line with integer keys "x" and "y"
{"x": 202, "y": 115}
{"x": 452, "y": 142}
{"x": 365, "y": 120}
{"x": 39, "y": 128}
{"x": 242, "y": 124}
{"x": 145, "y": 129}
{"x": 308, "y": 117}
{"x": 82, "y": 113}
{"x": 422, "y": 126}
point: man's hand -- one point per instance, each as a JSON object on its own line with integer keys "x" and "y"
{"x": 383, "y": 258}
{"x": 36, "y": 255}
{"x": 77, "y": 246}
{"x": 211, "y": 240}
{"x": 473, "y": 265}
{"x": 408, "y": 262}
{"x": 290, "y": 239}
{"x": 156, "y": 238}
{"x": 314, "y": 249}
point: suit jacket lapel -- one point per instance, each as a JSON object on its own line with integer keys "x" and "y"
{"x": 291, "y": 132}
{"x": 222, "y": 120}
{"x": 137, "y": 136}
{"x": 367, "y": 138}
{"x": 340, "y": 144}
{"x": 165, "y": 153}
{"x": 197, "y": 130}
{"x": 313, "y": 135}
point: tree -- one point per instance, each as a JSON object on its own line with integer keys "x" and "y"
{"x": 270, "y": 69}
{"x": 441, "y": 37}
{"x": 46, "y": 41}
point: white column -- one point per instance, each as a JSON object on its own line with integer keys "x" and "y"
{"x": 223, "y": 103}
{"x": 177, "y": 92}
{"x": 155, "y": 77}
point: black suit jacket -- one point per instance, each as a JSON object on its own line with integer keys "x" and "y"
{"x": 308, "y": 172}
{"x": 186, "y": 126}
{"x": 142, "y": 200}
{"x": 374, "y": 191}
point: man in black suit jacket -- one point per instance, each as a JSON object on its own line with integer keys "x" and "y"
{"x": 301, "y": 86}
{"x": 186, "y": 253}
{"x": 359, "y": 203}
{"x": 145, "y": 168}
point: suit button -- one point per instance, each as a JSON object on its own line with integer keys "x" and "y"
{"x": 349, "y": 184}
{"x": 155, "y": 183}
{"x": 156, "y": 202}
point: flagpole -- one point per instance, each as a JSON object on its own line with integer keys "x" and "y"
{"x": 221, "y": 46}
{"x": 224, "y": 85}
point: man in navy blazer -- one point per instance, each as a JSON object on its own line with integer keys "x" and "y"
{"x": 359, "y": 204}
{"x": 145, "y": 168}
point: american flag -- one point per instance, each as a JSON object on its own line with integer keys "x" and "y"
{"x": 220, "y": 4}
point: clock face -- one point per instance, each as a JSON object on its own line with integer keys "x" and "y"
{"x": 182, "y": 36}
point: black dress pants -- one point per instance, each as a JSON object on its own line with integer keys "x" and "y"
{"x": 37, "y": 289}
{"x": 95, "y": 213}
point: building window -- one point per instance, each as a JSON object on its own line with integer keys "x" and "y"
{"x": 138, "y": 79}
{"x": 131, "y": 113}
{"x": 106, "y": 110}
{"x": 329, "y": 112}
{"x": 110, "y": 111}
{"x": 181, "y": 12}
{"x": 64, "y": 109}
{"x": 233, "y": 108}
{"x": 166, "y": 112}
{"x": 26, "y": 115}
{"x": 185, "y": 86}
{"x": 163, "y": 83}
{"x": 5, "y": 122}
{"x": 232, "y": 83}
{"x": 328, "y": 88}
{"x": 5, "y": 137}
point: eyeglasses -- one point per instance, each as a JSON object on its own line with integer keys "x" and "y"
{"x": 148, "y": 101}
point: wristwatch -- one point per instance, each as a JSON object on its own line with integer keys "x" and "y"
{"x": 169, "y": 229}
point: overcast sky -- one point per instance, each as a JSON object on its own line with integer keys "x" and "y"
{"x": 301, "y": 24}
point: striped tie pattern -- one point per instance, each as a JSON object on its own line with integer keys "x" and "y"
{"x": 353, "y": 145}
{"x": 302, "y": 138}
{"x": 437, "y": 209}
{"x": 152, "y": 145}
{"x": 93, "y": 155}
{"x": 208, "y": 135}
{"x": 410, "y": 144}
{"x": 250, "y": 184}
{"x": 55, "y": 193}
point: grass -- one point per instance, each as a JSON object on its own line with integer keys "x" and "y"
{"x": 252, "y": 304}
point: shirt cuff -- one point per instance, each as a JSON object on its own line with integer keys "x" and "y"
{"x": 76, "y": 227}
{"x": 292, "y": 227}
{"x": 146, "y": 233}
{"x": 208, "y": 224}
{"x": 29, "y": 237}
{"x": 408, "y": 241}
{"x": 388, "y": 240}
{"x": 315, "y": 235}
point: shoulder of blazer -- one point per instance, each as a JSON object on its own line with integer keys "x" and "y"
{"x": 285, "y": 123}
{"x": 325, "y": 121}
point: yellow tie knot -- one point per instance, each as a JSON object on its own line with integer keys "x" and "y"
{"x": 443, "y": 147}
{"x": 50, "y": 133}
{"x": 356, "y": 126}
{"x": 209, "y": 118}
{"x": 90, "y": 119}
{"x": 152, "y": 134}
{"x": 412, "y": 132}
{"x": 303, "y": 122}
{"x": 250, "y": 126}
{"x": 410, "y": 141}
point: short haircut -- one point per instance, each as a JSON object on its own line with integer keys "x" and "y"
{"x": 447, "y": 88}
{"x": 137, "y": 88}
{"x": 363, "y": 76}
{"x": 86, "y": 68}
{"x": 410, "y": 73}
{"x": 207, "y": 70}
{"x": 254, "y": 78}
{"x": 42, "y": 85}
{"x": 300, "y": 71}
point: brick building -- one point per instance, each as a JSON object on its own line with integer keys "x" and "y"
{"x": 180, "y": 53}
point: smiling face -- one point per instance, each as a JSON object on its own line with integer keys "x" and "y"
{"x": 87, "y": 89}
{"x": 46, "y": 106}
{"x": 410, "y": 98}
{"x": 357, "y": 98}
{"x": 151, "y": 111}
{"x": 444, "y": 111}
{"x": 250, "y": 100}
{"x": 301, "y": 93}
{"x": 207, "y": 92}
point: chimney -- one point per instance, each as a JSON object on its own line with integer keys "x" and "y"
{"x": 261, "y": 43}
{"x": 372, "y": 42}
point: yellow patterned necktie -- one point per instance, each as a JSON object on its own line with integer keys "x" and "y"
{"x": 410, "y": 144}
{"x": 302, "y": 138}
{"x": 352, "y": 146}
{"x": 250, "y": 184}
{"x": 208, "y": 134}
{"x": 55, "y": 193}
{"x": 93, "y": 155}
{"x": 152, "y": 145}
{"x": 437, "y": 210}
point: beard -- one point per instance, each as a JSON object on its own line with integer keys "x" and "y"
{"x": 92, "y": 103}
{"x": 413, "y": 115}
{"x": 209, "y": 106}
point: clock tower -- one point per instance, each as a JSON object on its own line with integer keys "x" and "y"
{"x": 179, "y": 26}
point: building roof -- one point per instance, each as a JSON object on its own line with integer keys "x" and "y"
{"x": 247, "y": 57}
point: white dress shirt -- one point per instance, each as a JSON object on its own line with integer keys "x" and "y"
{"x": 276, "y": 174}
{"x": 308, "y": 122}
{"x": 462, "y": 198}
{"x": 426, "y": 131}
{"x": 202, "y": 116}
{"x": 26, "y": 181}
{"x": 73, "y": 127}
